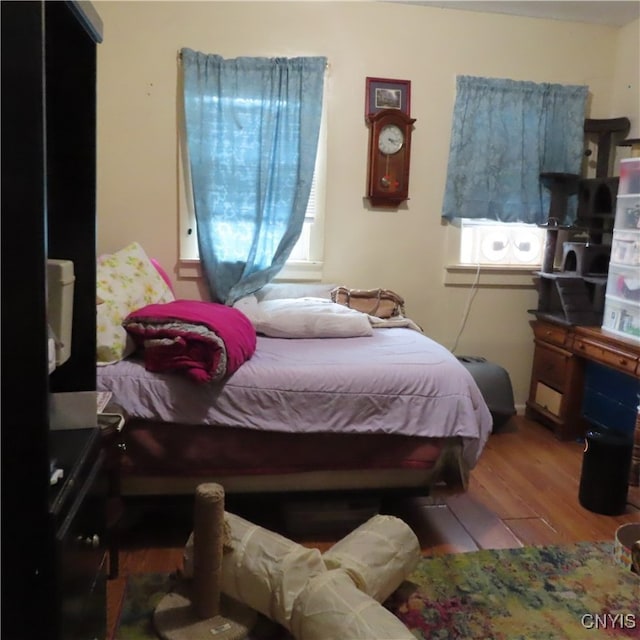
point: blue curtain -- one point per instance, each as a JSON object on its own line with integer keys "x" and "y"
{"x": 506, "y": 133}
{"x": 252, "y": 128}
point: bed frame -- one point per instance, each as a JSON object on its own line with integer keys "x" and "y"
{"x": 323, "y": 462}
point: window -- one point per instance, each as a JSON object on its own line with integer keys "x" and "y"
{"x": 500, "y": 243}
{"x": 305, "y": 261}
{"x": 488, "y": 253}
{"x": 505, "y": 134}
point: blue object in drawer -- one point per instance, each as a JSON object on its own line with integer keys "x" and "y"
{"x": 610, "y": 398}
{"x": 608, "y": 414}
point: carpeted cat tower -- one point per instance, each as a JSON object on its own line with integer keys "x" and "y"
{"x": 202, "y": 611}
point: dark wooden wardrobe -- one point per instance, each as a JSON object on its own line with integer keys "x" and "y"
{"x": 53, "y": 575}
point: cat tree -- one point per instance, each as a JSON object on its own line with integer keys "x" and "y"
{"x": 200, "y": 610}
{"x": 574, "y": 292}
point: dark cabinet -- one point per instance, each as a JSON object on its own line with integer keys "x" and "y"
{"x": 48, "y": 52}
{"x": 77, "y": 510}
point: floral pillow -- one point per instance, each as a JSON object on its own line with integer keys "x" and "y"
{"x": 126, "y": 280}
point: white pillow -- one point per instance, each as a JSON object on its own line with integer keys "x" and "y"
{"x": 304, "y": 318}
{"x": 126, "y": 280}
{"x": 280, "y": 290}
{"x": 250, "y": 306}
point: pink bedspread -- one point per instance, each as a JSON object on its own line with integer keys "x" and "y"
{"x": 204, "y": 340}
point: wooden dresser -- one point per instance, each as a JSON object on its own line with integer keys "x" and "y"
{"x": 557, "y": 376}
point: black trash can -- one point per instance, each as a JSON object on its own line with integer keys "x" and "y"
{"x": 604, "y": 482}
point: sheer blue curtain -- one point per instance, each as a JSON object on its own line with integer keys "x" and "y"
{"x": 252, "y": 128}
{"x": 505, "y": 133}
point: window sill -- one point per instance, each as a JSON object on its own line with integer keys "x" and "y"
{"x": 465, "y": 275}
{"x": 293, "y": 271}
{"x": 189, "y": 269}
{"x": 302, "y": 270}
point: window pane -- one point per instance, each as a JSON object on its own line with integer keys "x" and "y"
{"x": 301, "y": 251}
{"x": 500, "y": 243}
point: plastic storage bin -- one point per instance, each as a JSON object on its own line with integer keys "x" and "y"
{"x": 622, "y": 300}
{"x": 604, "y": 482}
{"x": 629, "y": 176}
{"x": 621, "y": 317}
{"x": 625, "y": 248}
{"x": 627, "y": 212}
{"x": 623, "y": 282}
{"x": 60, "y": 284}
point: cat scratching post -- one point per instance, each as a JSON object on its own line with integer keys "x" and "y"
{"x": 205, "y": 612}
{"x": 319, "y": 597}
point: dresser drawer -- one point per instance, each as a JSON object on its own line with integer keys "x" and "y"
{"x": 550, "y": 365}
{"x": 81, "y": 556}
{"x": 548, "y": 399}
{"x": 617, "y": 359}
{"x": 552, "y": 333}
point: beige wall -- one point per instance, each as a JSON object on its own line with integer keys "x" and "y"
{"x": 403, "y": 250}
{"x": 625, "y": 93}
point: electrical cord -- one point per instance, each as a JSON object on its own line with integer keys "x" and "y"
{"x": 467, "y": 309}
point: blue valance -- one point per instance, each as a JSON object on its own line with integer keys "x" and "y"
{"x": 505, "y": 133}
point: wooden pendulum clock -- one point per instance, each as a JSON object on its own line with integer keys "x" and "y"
{"x": 389, "y": 157}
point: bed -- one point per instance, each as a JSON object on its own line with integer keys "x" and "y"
{"x": 393, "y": 409}
{"x": 325, "y": 399}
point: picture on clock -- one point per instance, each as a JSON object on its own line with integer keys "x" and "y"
{"x": 386, "y": 93}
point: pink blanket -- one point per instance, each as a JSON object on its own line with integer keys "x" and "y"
{"x": 205, "y": 340}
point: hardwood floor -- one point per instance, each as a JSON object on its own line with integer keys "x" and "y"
{"x": 524, "y": 491}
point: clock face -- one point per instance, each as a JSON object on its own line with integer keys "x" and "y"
{"x": 391, "y": 139}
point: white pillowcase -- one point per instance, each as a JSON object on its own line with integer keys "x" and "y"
{"x": 304, "y": 318}
{"x": 280, "y": 290}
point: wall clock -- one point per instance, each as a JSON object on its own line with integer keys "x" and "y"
{"x": 389, "y": 157}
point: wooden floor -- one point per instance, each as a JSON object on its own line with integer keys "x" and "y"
{"x": 524, "y": 491}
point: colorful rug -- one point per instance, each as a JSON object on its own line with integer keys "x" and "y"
{"x": 572, "y": 592}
